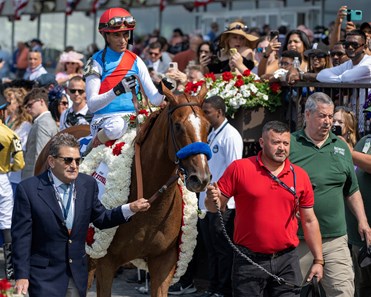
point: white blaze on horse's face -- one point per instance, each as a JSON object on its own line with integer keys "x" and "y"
{"x": 197, "y": 125}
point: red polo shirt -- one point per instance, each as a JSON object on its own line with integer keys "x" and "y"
{"x": 265, "y": 220}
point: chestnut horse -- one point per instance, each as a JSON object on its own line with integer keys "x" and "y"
{"x": 153, "y": 235}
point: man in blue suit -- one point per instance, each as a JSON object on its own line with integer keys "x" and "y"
{"x": 51, "y": 216}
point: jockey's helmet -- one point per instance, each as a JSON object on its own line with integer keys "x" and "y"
{"x": 116, "y": 20}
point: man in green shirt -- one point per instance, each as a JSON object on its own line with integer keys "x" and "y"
{"x": 362, "y": 159}
{"x": 328, "y": 162}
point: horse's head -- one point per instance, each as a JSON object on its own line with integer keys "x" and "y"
{"x": 188, "y": 129}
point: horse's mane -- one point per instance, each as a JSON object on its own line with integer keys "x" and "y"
{"x": 147, "y": 126}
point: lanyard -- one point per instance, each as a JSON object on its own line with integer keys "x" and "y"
{"x": 59, "y": 197}
{"x": 292, "y": 190}
{"x": 221, "y": 129}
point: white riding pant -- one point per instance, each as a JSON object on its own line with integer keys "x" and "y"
{"x": 114, "y": 126}
{"x": 6, "y": 202}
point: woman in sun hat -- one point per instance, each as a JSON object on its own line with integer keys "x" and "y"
{"x": 236, "y": 50}
{"x": 71, "y": 64}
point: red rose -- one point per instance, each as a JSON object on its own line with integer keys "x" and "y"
{"x": 210, "y": 75}
{"x": 239, "y": 76}
{"x": 227, "y": 76}
{"x": 275, "y": 87}
{"x": 90, "y": 236}
{"x": 117, "y": 149}
{"x": 110, "y": 143}
{"x": 247, "y": 72}
{"x": 143, "y": 111}
{"x": 188, "y": 87}
{"x": 5, "y": 285}
{"x": 239, "y": 83}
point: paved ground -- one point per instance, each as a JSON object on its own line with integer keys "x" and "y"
{"x": 121, "y": 288}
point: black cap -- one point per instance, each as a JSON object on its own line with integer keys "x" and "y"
{"x": 38, "y": 41}
{"x": 365, "y": 25}
{"x": 46, "y": 79}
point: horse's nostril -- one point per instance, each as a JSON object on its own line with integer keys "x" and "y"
{"x": 194, "y": 179}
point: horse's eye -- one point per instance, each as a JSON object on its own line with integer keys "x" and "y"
{"x": 178, "y": 127}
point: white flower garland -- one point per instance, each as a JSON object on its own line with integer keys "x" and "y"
{"x": 117, "y": 192}
{"x": 117, "y": 186}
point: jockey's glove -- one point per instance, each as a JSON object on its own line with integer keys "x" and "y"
{"x": 168, "y": 84}
{"x": 125, "y": 86}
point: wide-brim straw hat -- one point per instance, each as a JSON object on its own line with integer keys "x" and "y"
{"x": 73, "y": 57}
{"x": 239, "y": 29}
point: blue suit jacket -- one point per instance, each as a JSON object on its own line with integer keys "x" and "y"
{"x": 43, "y": 251}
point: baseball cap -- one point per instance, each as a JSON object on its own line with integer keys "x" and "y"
{"x": 46, "y": 80}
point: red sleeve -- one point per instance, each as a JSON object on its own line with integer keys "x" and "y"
{"x": 226, "y": 183}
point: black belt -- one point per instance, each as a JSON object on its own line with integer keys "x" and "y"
{"x": 262, "y": 256}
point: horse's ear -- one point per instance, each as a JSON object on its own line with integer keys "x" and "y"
{"x": 168, "y": 94}
{"x": 202, "y": 94}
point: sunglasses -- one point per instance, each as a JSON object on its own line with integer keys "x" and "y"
{"x": 352, "y": 44}
{"x": 154, "y": 54}
{"x": 261, "y": 49}
{"x": 118, "y": 22}
{"x": 73, "y": 91}
{"x": 318, "y": 56}
{"x": 339, "y": 54}
{"x": 70, "y": 63}
{"x": 29, "y": 105}
{"x": 64, "y": 103}
{"x": 69, "y": 160}
{"x": 239, "y": 27}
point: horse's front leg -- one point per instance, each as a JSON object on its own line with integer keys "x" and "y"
{"x": 106, "y": 269}
{"x": 161, "y": 270}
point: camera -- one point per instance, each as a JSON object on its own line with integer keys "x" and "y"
{"x": 273, "y": 34}
{"x": 354, "y": 15}
{"x": 336, "y": 130}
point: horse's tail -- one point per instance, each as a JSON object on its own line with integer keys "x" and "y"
{"x": 92, "y": 266}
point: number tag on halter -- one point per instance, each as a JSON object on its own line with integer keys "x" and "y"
{"x": 367, "y": 145}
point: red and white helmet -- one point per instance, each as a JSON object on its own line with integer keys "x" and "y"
{"x": 116, "y": 20}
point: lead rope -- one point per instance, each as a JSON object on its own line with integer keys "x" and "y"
{"x": 280, "y": 280}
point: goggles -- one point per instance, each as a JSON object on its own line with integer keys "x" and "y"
{"x": 127, "y": 22}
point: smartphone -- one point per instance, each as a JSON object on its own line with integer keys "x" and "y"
{"x": 336, "y": 130}
{"x": 354, "y": 15}
{"x": 173, "y": 66}
{"x": 232, "y": 51}
{"x": 273, "y": 34}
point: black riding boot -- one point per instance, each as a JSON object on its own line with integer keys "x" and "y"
{"x": 7, "y": 247}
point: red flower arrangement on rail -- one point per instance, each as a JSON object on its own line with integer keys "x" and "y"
{"x": 240, "y": 91}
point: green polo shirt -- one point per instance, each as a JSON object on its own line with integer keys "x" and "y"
{"x": 364, "y": 181}
{"x": 331, "y": 171}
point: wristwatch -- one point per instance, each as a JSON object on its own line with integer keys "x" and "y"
{"x": 301, "y": 74}
{"x": 319, "y": 261}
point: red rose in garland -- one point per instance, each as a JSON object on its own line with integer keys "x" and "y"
{"x": 117, "y": 149}
{"x": 227, "y": 76}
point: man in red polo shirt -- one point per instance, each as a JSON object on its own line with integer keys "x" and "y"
{"x": 269, "y": 193}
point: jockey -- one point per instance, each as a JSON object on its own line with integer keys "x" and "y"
{"x": 109, "y": 77}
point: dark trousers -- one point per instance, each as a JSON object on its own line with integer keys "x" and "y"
{"x": 248, "y": 280}
{"x": 219, "y": 252}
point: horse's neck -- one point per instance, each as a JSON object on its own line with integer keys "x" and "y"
{"x": 156, "y": 164}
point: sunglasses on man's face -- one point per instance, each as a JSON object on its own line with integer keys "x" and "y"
{"x": 69, "y": 160}
{"x": 73, "y": 91}
{"x": 153, "y": 54}
{"x": 353, "y": 44}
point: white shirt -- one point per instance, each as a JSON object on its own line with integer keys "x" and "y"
{"x": 349, "y": 73}
{"x": 226, "y": 145}
{"x": 126, "y": 211}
